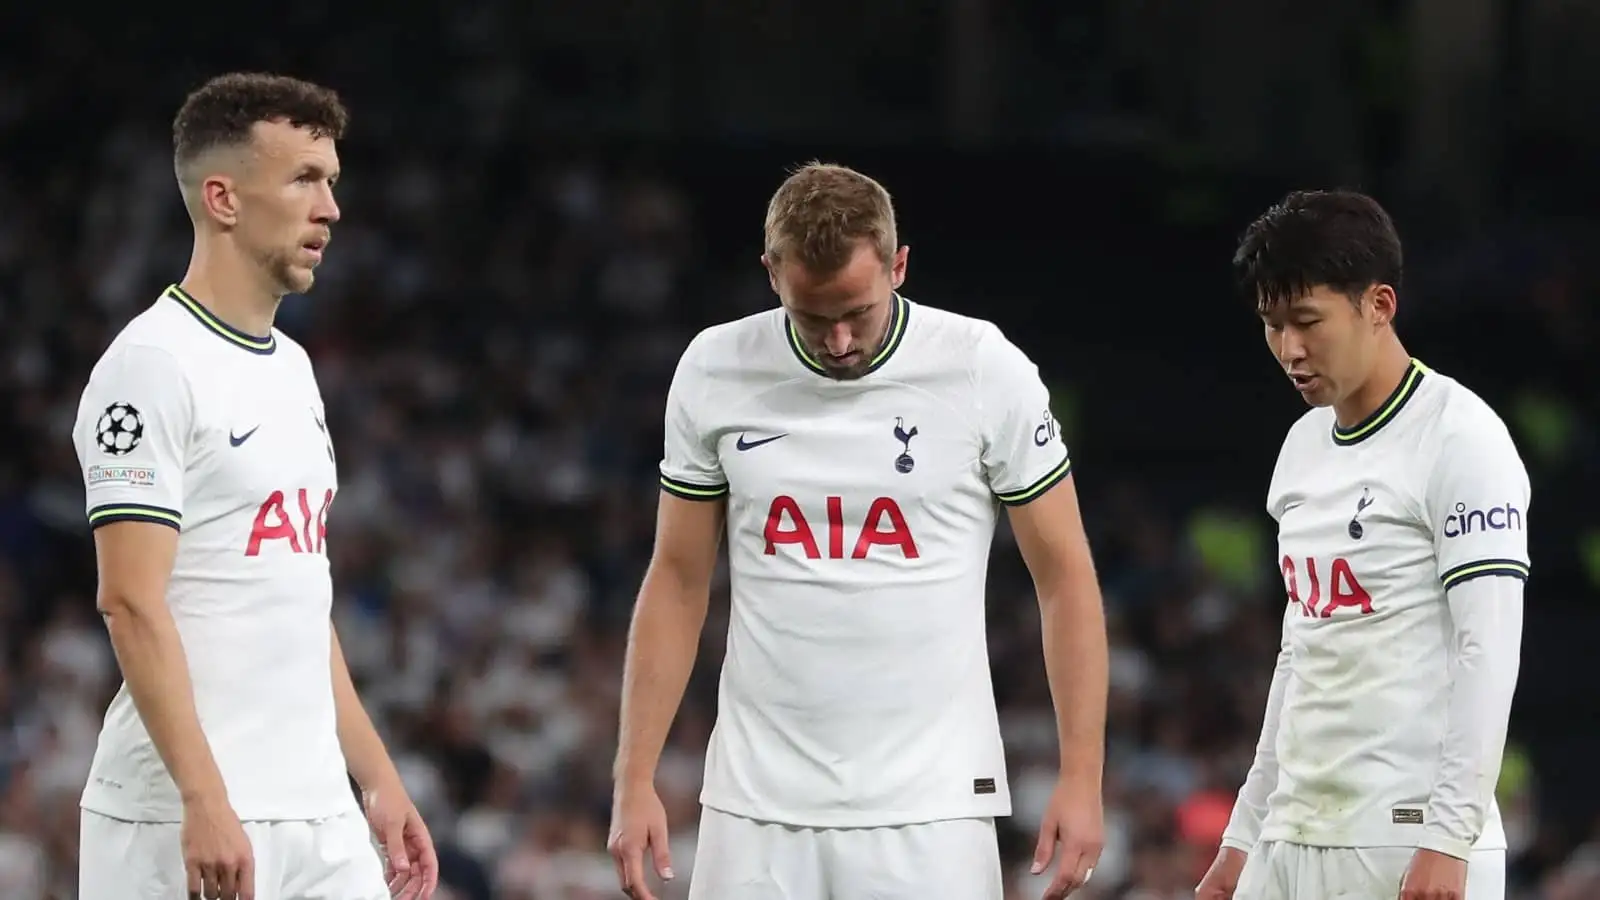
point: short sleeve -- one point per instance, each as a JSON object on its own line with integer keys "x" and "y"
{"x": 132, "y": 437}
{"x": 1477, "y": 501}
{"x": 689, "y": 465}
{"x": 1023, "y": 454}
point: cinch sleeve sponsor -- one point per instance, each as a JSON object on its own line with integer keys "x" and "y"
{"x": 1024, "y": 454}
{"x": 132, "y": 436}
{"x": 1477, "y": 502}
{"x": 689, "y": 465}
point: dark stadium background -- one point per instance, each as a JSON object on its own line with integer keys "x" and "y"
{"x": 544, "y": 201}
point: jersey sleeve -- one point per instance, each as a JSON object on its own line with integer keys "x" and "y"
{"x": 1023, "y": 452}
{"x": 690, "y": 467}
{"x": 1477, "y": 504}
{"x": 132, "y": 437}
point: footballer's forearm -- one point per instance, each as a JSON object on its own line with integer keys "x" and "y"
{"x": 364, "y": 754}
{"x": 1250, "y": 807}
{"x": 150, "y": 653}
{"x": 1077, "y": 663}
{"x": 1487, "y": 615}
{"x": 662, "y": 643}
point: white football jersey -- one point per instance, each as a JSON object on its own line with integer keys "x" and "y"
{"x": 1376, "y": 524}
{"x": 856, "y": 688}
{"x": 189, "y": 423}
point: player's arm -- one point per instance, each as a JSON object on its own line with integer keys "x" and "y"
{"x": 133, "y": 477}
{"x": 671, "y": 608}
{"x": 1029, "y": 470}
{"x": 1050, "y": 535}
{"x": 1250, "y": 806}
{"x": 364, "y": 754}
{"x": 1477, "y": 502}
{"x": 665, "y": 633}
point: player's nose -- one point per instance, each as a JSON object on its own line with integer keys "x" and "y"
{"x": 1289, "y": 347}
{"x": 838, "y": 339}
{"x": 326, "y": 210}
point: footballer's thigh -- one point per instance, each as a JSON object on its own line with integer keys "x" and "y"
{"x": 736, "y": 858}
{"x": 955, "y": 859}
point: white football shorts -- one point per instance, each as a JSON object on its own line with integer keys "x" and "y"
{"x": 1283, "y": 871}
{"x": 743, "y": 859}
{"x": 325, "y": 859}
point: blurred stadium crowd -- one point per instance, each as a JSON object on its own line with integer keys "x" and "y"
{"x": 494, "y": 357}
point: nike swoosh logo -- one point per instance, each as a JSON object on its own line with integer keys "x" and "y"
{"x": 744, "y": 445}
{"x": 237, "y": 439}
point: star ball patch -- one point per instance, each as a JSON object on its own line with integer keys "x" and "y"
{"x": 120, "y": 429}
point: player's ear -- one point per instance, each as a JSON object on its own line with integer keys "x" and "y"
{"x": 219, "y": 200}
{"x": 1384, "y": 304}
{"x": 897, "y": 267}
{"x": 772, "y": 274}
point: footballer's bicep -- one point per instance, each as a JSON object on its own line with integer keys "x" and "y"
{"x": 1050, "y": 535}
{"x": 688, "y": 533}
{"x": 134, "y": 561}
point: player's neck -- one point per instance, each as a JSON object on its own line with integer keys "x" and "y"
{"x": 1391, "y": 368}
{"x": 232, "y": 288}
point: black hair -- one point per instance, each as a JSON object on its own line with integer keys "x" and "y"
{"x": 222, "y": 111}
{"x": 1343, "y": 240}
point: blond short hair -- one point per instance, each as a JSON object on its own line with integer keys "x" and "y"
{"x": 822, "y": 212}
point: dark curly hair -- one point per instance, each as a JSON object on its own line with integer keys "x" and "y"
{"x": 220, "y": 112}
{"x": 1343, "y": 240}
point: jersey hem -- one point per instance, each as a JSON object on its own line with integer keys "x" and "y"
{"x": 857, "y": 818}
{"x": 1397, "y": 836}
{"x": 1484, "y": 567}
{"x": 134, "y": 512}
{"x": 1233, "y": 843}
{"x": 1036, "y": 490}
{"x": 689, "y": 491}
{"x": 155, "y": 814}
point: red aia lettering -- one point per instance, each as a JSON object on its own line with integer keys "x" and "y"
{"x": 1345, "y": 590}
{"x": 883, "y": 525}
{"x": 274, "y": 524}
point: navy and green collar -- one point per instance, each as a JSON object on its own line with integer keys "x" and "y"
{"x": 259, "y": 345}
{"x": 892, "y": 338}
{"x": 1386, "y": 411}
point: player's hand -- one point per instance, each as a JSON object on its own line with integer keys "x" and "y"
{"x": 1222, "y": 879}
{"x": 410, "y": 863}
{"x": 639, "y": 827}
{"x": 1075, "y": 822}
{"x": 1434, "y": 876}
{"x": 217, "y": 855}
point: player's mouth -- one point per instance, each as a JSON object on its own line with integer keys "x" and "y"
{"x": 314, "y": 248}
{"x": 1304, "y": 383}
